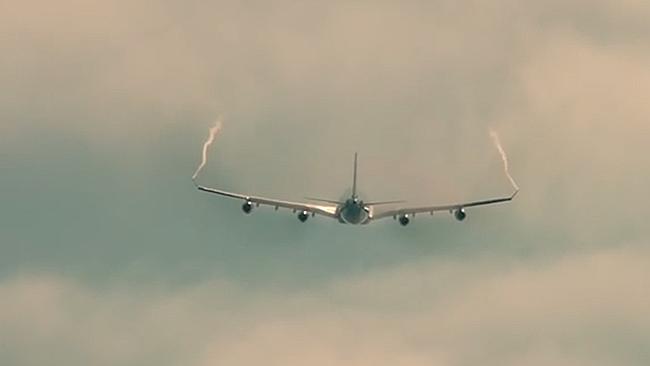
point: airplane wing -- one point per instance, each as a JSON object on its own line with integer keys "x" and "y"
{"x": 325, "y": 210}
{"x": 410, "y": 211}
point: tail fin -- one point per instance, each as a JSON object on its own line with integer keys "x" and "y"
{"x": 354, "y": 179}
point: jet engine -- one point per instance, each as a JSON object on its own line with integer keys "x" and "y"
{"x": 404, "y": 220}
{"x": 303, "y": 216}
{"x": 247, "y": 207}
{"x": 460, "y": 214}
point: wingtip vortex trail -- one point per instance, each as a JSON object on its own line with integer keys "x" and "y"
{"x": 204, "y": 154}
{"x": 497, "y": 143}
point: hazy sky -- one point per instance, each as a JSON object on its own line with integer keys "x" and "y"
{"x": 108, "y": 256}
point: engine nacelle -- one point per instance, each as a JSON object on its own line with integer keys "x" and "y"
{"x": 404, "y": 220}
{"x": 247, "y": 207}
{"x": 303, "y": 216}
{"x": 460, "y": 214}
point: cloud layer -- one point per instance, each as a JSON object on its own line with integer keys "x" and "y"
{"x": 103, "y": 108}
{"x": 581, "y": 310}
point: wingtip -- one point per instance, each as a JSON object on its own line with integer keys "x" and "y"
{"x": 514, "y": 194}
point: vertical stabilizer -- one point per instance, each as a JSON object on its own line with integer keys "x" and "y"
{"x": 354, "y": 179}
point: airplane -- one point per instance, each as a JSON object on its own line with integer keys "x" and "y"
{"x": 353, "y": 210}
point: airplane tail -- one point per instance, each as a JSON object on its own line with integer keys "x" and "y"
{"x": 354, "y": 188}
{"x": 354, "y": 179}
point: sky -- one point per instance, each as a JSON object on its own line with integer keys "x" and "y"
{"x": 109, "y": 256}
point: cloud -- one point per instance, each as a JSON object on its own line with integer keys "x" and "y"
{"x": 588, "y": 308}
{"x": 414, "y": 87}
{"x": 410, "y": 85}
{"x": 405, "y": 83}
{"x": 580, "y": 101}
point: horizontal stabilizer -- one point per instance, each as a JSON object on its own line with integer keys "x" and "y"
{"x": 382, "y": 203}
{"x": 335, "y": 202}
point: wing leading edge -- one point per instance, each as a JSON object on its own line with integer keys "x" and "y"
{"x": 325, "y": 210}
{"x": 376, "y": 215}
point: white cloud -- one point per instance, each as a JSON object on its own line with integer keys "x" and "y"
{"x": 412, "y": 85}
{"x": 581, "y": 309}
